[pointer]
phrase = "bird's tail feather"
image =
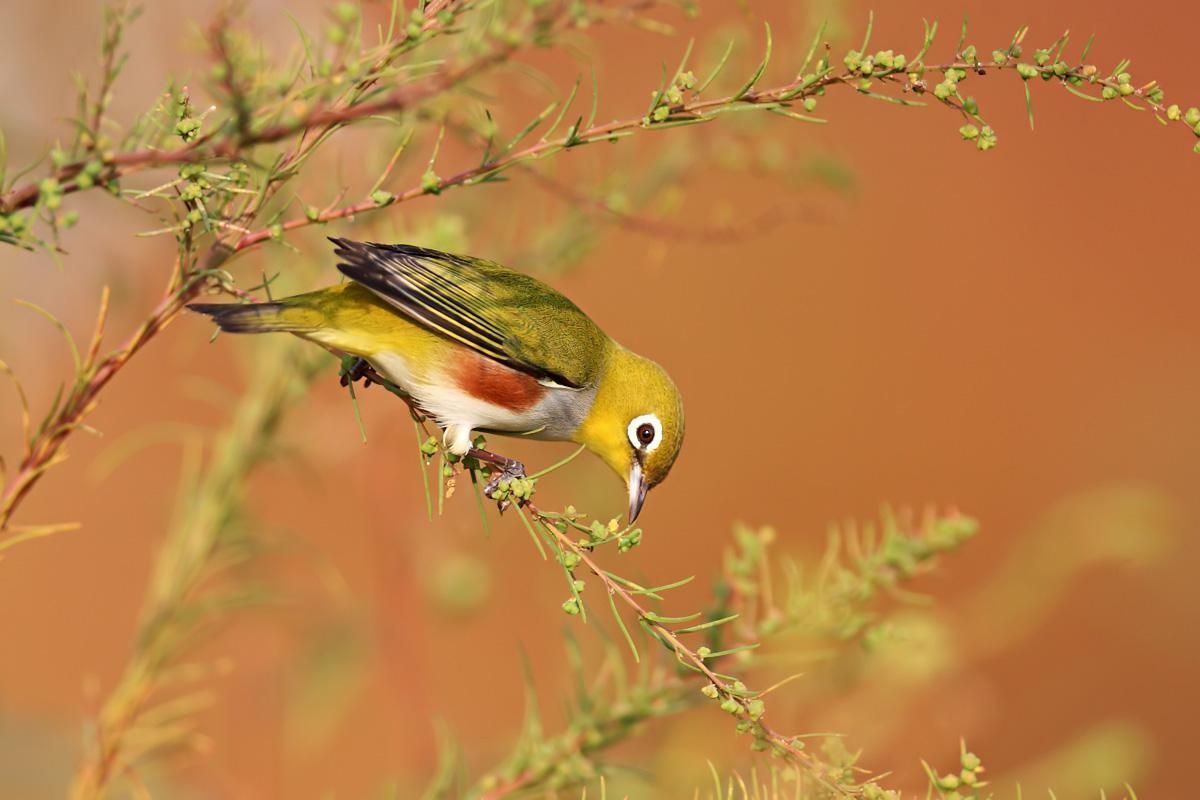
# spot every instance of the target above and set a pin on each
(257, 317)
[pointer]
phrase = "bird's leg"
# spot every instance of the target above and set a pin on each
(359, 369)
(507, 468)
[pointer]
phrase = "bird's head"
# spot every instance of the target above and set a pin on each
(635, 423)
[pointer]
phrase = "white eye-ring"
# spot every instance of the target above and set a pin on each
(645, 432)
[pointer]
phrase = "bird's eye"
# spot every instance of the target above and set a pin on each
(645, 432)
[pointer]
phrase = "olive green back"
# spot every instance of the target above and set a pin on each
(506, 315)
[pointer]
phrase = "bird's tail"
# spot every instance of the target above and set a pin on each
(259, 317)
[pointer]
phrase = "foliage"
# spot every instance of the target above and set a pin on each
(229, 173)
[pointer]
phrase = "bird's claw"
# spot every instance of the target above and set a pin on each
(360, 371)
(507, 472)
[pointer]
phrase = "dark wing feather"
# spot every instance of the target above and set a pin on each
(505, 315)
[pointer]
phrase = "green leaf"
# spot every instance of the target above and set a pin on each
(624, 630)
(706, 625)
(717, 69)
(758, 73)
(867, 37)
(812, 50)
(1029, 104)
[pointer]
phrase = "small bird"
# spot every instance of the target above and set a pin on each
(480, 347)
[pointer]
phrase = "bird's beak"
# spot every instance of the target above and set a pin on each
(637, 490)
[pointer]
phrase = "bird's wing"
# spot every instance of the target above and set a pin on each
(505, 315)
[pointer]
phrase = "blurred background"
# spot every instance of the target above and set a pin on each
(892, 317)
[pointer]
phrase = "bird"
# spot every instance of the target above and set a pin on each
(482, 348)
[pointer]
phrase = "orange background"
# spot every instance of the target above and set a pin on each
(1012, 333)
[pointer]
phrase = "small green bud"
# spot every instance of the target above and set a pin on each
(1108, 93)
(190, 192)
(899, 62)
(704, 651)
(864, 85)
(69, 219)
(999, 56)
(661, 113)
(1125, 89)
(84, 181)
(1041, 57)
(345, 12)
(885, 59)
(710, 691)
(756, 708)
(1027, 71)
(968, 778)
(1192, 116)
(312, 213)
(1060, 68)
(969, 54)
(1196, 129)
(571, 607)
(577, 585)
(674, 96)
(853, 60)
(867, 67)
(943, 91)
(969, 132)
(382, 198)
(413, 30)
(971, 106)
(971, 762)
(1089, 71)
(948, 781)
(1124, 77)
(335, 34)
(276, 231)
(195, 215)
(731, 706)
(810, 103)
(431, 183)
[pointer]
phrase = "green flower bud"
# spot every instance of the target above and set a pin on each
(1125, 89)
(661, 113)
(1041, 57)
(731, 706)
(1027, 71)
(968, 778)
(1192, 116)
(864, 85)
(1196, 129)
(1060, 68)
(948, 781)
(756, 708)
(1124, 77)
(84, 181)
(710, 691)
(431, 183)
(312, 213)
(704, 651)
(943, 91)
(852, 60)
(571, 607)
(69, 219)
(577, 585)
(971, 106)
(999, 56)
(810, 103)
(382, 198)
(971, 762)
(969, 132)
(345, 13)
(1108, 93)
(899, 62)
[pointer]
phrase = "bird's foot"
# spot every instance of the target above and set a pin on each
(355, 370)
(504, 471)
